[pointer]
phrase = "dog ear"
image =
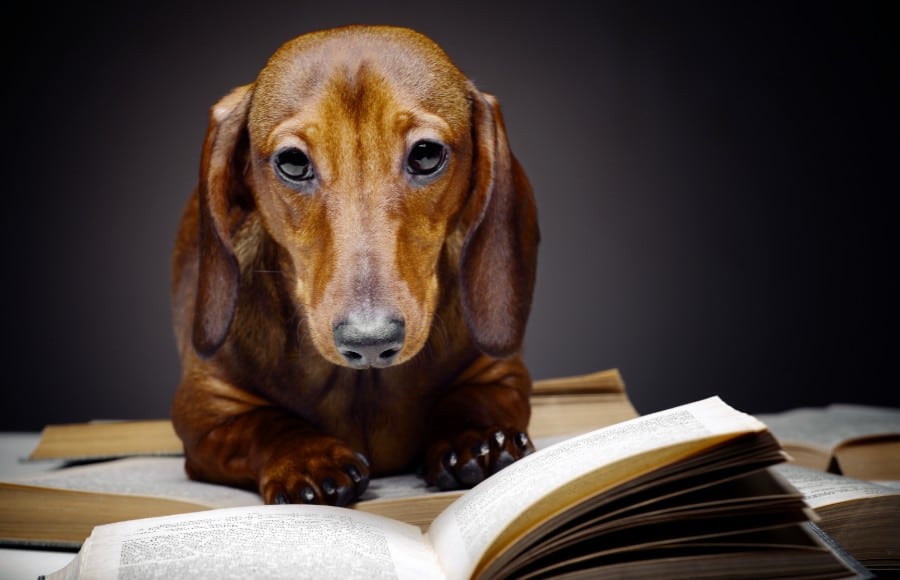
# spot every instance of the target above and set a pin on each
(499, 257)
(224, 202)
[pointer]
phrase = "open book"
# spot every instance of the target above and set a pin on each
(854, 440)
(60, 508)
(862, 516)
(671, 494)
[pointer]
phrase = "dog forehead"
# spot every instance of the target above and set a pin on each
(306, 70)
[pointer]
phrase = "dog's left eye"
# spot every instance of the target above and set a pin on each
(426, 158)
(293, 165)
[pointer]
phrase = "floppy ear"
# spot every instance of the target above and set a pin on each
(499, 257)
(224, 202)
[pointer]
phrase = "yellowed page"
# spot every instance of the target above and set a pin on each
(107, 439)
(272, 542)
(606, 381)
(503, 507)
(872, 458)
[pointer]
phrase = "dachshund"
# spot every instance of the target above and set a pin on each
(352, 276)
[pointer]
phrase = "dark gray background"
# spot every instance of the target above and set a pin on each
(716, 181)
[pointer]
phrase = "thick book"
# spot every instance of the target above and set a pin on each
(862, 516)
(676, 494)
(559, 406)
(860, 441)
(60, 508)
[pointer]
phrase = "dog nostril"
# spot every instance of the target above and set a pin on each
(389, 353)
(350, 355)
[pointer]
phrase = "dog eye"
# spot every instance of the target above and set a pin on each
(293, 165)
(426, 158)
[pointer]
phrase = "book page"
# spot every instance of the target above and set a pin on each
(463, 536)
(407, 498)
(829, 426)
(272, 542)
(145, 476)
(396, 486)
(822, 489)
(165, 477)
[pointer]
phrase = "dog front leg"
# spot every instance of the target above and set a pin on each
(481, 425)
(235, 438)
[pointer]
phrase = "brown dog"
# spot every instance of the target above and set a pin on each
(353, 275)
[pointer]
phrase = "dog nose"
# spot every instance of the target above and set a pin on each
(369, 342)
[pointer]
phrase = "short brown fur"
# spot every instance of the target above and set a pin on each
(264, 270)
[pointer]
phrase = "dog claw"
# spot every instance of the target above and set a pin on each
(503, 460)
(335, 494)
(470, 473)
(446, 482)
(522, 441)
(308, 495)
(444, 479)
(360, 482)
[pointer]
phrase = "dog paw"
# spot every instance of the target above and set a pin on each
(465, 460)
(317, 470)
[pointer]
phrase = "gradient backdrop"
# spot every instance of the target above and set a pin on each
(717, 185)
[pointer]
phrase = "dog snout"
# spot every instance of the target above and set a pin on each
(373, 341)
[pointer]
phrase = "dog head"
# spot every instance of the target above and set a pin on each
(371, 160)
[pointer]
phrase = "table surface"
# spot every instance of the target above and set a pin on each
(25, 564)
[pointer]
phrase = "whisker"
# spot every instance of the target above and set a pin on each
(440, 332)
(268, 272)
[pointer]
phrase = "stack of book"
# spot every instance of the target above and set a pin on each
(699, 488)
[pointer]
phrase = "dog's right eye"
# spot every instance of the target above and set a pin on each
(293, 165)
(426, 158)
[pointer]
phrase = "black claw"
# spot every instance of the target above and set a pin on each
(470, 473)
(328, 487)
(500, 439)
(344, 496)
(522, 440)
(445, 480)
(308, 495)
(362, 486)
(503, 460)
(481, 449)
(282, 498)
(355, 477)
(360, 483)
(450, 459)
